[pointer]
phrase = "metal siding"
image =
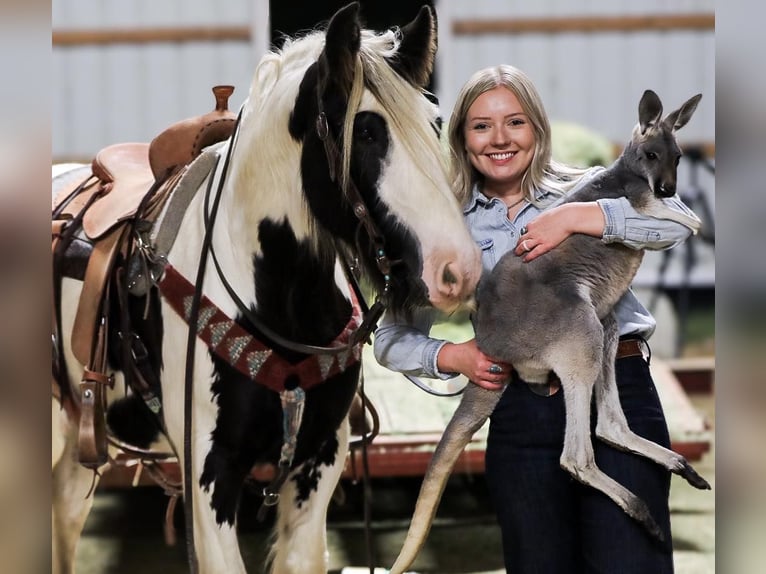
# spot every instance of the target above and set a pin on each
(124, 93)
(596, 79)
(560, 8)
(106, 94)
(117, 13)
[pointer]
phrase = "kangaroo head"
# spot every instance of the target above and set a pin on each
(653, 152)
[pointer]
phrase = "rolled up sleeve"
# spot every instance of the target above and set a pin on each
(623, 224)
(406, 347)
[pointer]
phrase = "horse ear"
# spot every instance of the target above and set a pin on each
(342, 41)
(649, 110)
(678, 119)
(414, 60)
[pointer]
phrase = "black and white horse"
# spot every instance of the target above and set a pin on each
(284, 212)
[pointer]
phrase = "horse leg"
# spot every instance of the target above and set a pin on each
(579, 365)
(215, 539)
(216, 544)
(72, 499)
(300, 545)
(612, 426)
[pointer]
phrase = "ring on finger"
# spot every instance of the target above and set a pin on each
(525, 246)
(495, 369)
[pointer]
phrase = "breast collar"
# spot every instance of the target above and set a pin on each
(250, 356)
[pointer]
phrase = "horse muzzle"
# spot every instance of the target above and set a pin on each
(452, 283)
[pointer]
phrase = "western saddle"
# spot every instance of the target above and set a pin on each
(128, 185)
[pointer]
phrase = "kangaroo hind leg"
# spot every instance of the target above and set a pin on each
(612, 426)
(577, 361)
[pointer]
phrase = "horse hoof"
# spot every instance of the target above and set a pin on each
(693, 478)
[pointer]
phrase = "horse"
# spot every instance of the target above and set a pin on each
(563, 304)
(335, 157)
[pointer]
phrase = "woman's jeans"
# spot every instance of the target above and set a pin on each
(552, 524)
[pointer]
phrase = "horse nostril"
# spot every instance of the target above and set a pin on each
(448, 277)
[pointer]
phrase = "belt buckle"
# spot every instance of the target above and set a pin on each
(644, 347)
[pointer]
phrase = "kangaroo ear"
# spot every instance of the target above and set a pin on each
(414, 60)
(342, 41)
(678, 119)
(649, 110)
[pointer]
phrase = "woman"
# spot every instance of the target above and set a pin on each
(500, 145)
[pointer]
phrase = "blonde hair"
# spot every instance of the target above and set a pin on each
(544, 173)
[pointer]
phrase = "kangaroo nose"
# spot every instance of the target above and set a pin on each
(668, 189)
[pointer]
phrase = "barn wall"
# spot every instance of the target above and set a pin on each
(592, 77)
(105, 93)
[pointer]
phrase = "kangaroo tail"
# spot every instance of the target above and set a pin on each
(475, 407)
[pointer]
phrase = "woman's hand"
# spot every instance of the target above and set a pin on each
(553, 226)
(467, 359)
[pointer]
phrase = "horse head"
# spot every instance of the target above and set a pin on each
(372, 172)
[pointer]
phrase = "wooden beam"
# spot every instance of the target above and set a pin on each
(107, 36)
(590, 24)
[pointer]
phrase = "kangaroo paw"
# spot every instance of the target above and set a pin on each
(638, 510)
(692, 477)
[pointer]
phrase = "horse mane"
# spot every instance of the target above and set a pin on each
(402, 101)
(275, 85)
(404, 104)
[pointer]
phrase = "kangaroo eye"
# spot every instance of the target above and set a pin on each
(651, 155)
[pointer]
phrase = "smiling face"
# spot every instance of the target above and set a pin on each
(499, 140)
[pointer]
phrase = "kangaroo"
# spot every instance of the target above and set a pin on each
(571, 328)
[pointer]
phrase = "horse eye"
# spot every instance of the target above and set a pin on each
(651, 155)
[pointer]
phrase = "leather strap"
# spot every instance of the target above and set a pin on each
(89, 307)
(92, 447)
(632, 348)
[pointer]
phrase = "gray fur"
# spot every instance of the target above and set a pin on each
(555, 313)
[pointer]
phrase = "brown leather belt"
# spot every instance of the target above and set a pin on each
(632, 348)
(625, 348)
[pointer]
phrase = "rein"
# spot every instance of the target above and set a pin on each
(371, 315)
(360, 335)
(207, 244)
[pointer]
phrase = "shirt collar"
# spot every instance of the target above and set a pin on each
(477, 198)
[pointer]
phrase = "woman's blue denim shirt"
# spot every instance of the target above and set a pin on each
(406, 346)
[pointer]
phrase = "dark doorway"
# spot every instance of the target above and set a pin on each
(291, 18)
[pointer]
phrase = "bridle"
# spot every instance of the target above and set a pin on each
(361, 335)
(371, 315)
(357, 337)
